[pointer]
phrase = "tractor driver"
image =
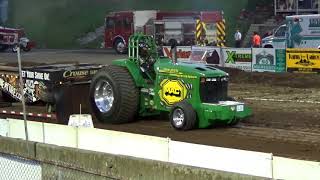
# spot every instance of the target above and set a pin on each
(146, 59)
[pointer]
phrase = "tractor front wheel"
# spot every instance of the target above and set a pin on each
(114, 97)
(183, 116)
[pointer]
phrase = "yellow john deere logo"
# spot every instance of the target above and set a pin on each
(172, 91)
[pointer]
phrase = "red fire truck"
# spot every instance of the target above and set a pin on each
(10, 38)
(166, 27)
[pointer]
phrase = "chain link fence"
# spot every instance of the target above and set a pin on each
(16, 168)
(53, 172)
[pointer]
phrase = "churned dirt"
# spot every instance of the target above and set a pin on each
(285, 121)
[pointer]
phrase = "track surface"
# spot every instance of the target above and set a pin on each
(286, 120)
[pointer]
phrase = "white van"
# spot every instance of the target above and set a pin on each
(300, 31)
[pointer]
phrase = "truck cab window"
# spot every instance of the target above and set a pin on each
(127, 23)
(109, 23)
(281, 32)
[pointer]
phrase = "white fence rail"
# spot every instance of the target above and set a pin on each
(164, 149)
(224, 159)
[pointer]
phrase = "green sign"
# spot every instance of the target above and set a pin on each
(280, 60)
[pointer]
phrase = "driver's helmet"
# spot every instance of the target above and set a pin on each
(143, 49)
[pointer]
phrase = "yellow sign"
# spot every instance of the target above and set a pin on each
(303, 60)
(172, 91)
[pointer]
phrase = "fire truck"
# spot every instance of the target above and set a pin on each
(11, 38)
(181, 28)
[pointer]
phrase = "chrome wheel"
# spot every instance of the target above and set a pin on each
(103, 96)
(178, 117)
(120, 47)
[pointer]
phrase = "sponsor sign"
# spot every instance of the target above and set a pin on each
(263, 60)
(280, 60)
(36, 75)
(240, 58)
(78, 73)
(10, 85)
(183, 52)
(209, 55)
(172, 91)
(80, 120)
(303, 60)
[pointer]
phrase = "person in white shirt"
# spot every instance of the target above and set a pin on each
(237, 38)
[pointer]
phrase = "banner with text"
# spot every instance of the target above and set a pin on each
(210, 55)
(303, 60)
(280, 60)
(263, 60)
(183, 52)
(240, 58)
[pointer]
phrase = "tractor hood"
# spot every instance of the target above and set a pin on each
(188, 69)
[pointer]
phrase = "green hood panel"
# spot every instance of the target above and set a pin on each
(196, 70)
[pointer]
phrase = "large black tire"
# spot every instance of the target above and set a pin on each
(189, 120)
(126, 95)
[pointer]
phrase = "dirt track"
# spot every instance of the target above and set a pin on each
(286, 118)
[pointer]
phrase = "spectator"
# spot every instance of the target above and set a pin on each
(237, 38)
(256, 40)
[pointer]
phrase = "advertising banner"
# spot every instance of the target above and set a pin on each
(303, 60)
(209, 55)
(263, 60)
(240, 58)
(183, 52)
(280, 60)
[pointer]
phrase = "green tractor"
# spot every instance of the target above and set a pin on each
(194, 95)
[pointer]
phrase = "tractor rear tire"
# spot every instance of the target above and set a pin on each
(114, 97)
(183, 116)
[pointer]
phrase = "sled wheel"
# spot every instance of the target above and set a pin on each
(183, 116)
(114, 97)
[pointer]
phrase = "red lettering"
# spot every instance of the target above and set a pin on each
(180, 53)
(167, 52)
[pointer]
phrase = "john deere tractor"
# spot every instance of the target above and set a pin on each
(144, 84)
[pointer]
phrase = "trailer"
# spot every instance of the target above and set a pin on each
(62, 87)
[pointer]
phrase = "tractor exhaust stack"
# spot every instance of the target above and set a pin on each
(174, 53)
